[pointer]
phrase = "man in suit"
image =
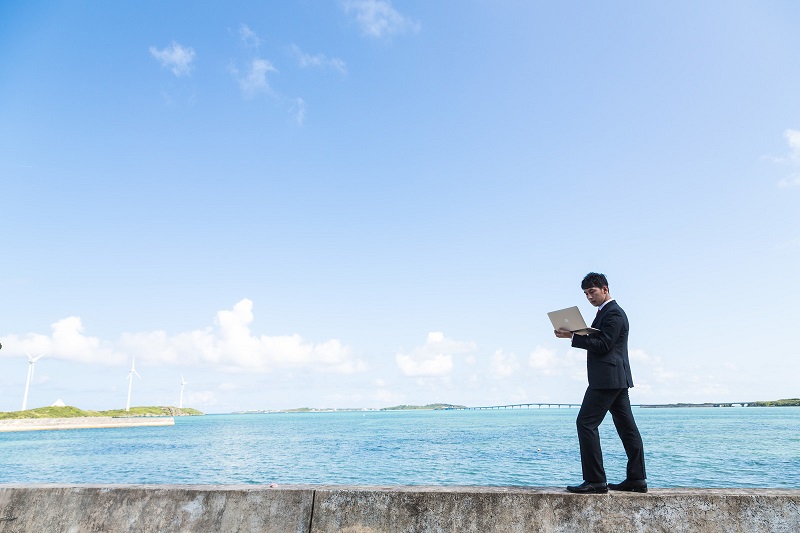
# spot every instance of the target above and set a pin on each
(610, 378)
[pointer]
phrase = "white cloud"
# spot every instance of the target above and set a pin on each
(298, 109)
(387, 397)
(377, 18)
(432, 365)
(645, 364)
(434, 358)
(175, 57)
(655, 381)
(231, 344)
(641, 356)
(206, 398)
(67, 341)
(254, 80)
(790, 181)
(227, 345)
(543, 360)
(248, 37)
(548, 363)
(793, 159)
(305, 60)
(793, 138)
(503, 365)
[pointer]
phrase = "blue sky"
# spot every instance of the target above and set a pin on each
(363, 203)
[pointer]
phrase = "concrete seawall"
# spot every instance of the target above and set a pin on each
(313, 508)
(83, 422)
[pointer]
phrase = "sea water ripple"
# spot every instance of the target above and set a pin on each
(685, 447)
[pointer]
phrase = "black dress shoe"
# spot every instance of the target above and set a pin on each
(630, 485)
(589, 488)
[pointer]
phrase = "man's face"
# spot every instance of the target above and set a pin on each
(596, 296)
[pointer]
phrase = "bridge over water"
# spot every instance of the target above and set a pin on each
(519, 406)
(547, 405)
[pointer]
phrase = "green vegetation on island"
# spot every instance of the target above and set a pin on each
(790, 402)
(430, 407)
(73, 412)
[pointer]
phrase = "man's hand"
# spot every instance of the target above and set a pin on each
(563, 333)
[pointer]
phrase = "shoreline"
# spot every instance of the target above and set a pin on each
(82, 422)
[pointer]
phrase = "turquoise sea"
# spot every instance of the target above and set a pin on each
(685, 447)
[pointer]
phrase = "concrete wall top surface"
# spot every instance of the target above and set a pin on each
(359, 509)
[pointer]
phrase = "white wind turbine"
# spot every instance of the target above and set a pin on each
(31, 363)
(183, 383)
(130, 383)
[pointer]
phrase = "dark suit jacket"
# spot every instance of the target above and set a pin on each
(607, 362)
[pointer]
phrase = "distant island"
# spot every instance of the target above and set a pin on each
(430, 407)
(73, 412)
(790, 402)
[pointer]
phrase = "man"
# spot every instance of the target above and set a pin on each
(610, 378)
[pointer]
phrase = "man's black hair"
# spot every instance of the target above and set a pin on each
(593, 279)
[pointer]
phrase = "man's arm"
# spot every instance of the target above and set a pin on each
(610, 330)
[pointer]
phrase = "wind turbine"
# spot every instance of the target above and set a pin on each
(183, 383)
(31, 363)
(130, 382)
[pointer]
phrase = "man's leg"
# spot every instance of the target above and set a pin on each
(596, 403)
(629, 434)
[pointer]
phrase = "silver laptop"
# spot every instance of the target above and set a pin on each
(571, 319)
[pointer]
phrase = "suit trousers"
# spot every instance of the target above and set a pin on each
(596, 403)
